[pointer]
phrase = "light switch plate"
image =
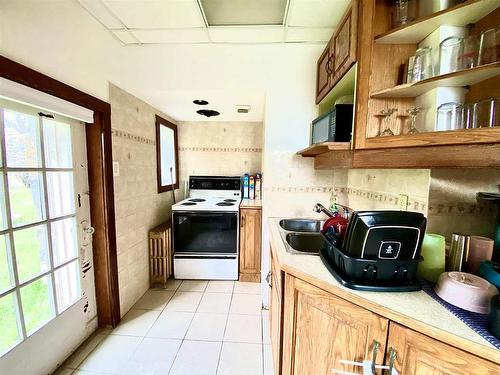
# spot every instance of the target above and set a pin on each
(403, 202)
(116, 168)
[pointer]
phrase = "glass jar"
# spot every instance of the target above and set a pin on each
(450, 49)
(422, 65)
(449, 117)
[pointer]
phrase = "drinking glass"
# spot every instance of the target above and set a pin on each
(469, 52)
(449, 53)
(449, 116)
(468, 116)
(404, 12)
(486, 113)
(423, 67)
(489, 46)
(433, 251)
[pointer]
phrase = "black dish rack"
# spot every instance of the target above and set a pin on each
(377, 275)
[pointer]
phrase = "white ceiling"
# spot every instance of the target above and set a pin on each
(137, 22)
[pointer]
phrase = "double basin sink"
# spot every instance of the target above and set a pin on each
(302, 236)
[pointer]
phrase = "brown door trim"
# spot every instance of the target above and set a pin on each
(100, 167)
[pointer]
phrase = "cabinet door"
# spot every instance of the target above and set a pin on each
(275, 321)
(323, 73)
(250, 244)
(417, 354)
(321, 329)
(344, 44)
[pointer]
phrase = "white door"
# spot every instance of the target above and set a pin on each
(47, 294)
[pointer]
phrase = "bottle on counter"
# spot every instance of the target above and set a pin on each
(246, 183)
(251, 189)
(258, 186)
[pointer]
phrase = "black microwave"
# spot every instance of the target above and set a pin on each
(334, 126)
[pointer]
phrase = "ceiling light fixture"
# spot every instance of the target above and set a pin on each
(200, 102)
(207, 112)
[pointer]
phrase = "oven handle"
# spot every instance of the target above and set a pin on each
(203, 257)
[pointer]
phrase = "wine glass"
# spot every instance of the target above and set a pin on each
(383, 115)
(413, 112)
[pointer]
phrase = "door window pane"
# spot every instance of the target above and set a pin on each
(6, 279)
(3, 211)
(32, 254)
(10, 332)
(26, 197)
(38, 304)
(64, 247)
(22, 140)
(57, 144)
(61, 193)
(67, 285)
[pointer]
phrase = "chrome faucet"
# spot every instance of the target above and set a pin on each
(318, 207)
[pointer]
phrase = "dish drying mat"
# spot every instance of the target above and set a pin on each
(477, 322)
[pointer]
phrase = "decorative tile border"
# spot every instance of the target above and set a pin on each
(132, 137)
(299, 189)
(461, 209)
(221, 149)
(388, 198)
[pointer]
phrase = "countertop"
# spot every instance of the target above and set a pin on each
(251, 203)
(415, 310)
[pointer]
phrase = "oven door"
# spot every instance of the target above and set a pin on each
(205, 233)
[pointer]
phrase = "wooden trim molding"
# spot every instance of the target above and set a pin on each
(160, 121)
(100, 167)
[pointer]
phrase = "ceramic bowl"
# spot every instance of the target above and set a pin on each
(465, 290)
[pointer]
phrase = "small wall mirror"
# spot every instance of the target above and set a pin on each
(167, 159)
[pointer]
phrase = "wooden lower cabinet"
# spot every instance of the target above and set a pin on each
(321, 329)
(417, 354)
(275, 315)
(250, 244)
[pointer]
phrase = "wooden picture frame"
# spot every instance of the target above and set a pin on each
(159, 122)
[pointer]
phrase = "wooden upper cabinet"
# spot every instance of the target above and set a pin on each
(323, 73)
(250, 244)
(344, 42)
(417, 354)
(339, 54)
(321, 329)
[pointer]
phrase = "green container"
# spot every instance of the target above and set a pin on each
(433, 251)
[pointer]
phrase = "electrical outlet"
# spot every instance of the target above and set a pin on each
(116, 168)
(333, 201)
(403, 202)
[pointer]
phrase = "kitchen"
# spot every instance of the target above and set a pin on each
(143, 59)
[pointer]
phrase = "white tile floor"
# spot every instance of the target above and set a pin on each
(193, 327)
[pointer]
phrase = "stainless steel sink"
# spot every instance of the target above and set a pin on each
(301, 225)
(304, 243)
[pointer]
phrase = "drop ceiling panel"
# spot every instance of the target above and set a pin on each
(157, 14)
(247, 34)
(308, 34)
(244, 12)
(102, 13)
(199, 35)
(125, 36)
(316, 13)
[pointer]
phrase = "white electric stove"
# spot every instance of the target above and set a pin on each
(206, 229)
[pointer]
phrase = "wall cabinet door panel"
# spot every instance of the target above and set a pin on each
(321, 329)
(417, 354)
(323, 73)
(345, 45)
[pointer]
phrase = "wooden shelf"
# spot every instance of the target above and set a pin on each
(451, 156)
(452, 137)
(456, 79)
(460, 15)
(321, 148)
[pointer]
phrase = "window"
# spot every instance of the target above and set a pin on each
(167, 159)
(39, 264)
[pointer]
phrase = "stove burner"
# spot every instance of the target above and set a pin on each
(197, 200)
(229, 200)
(188, 204)
(225, 204)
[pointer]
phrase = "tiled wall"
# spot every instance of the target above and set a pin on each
(138, 205)
(219, 148)
(453, 206)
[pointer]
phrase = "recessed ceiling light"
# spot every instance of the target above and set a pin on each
(244, 12)
(200, 102)
(207, 112)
